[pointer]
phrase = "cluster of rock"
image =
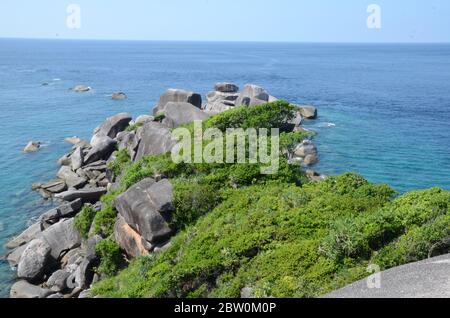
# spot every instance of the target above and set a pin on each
(51, 257)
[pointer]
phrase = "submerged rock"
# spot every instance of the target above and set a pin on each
(177, 96)
(119, 96)
(81, 89)
(32, 146)
(147, 207)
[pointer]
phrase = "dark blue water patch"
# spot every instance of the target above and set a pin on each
(383, 109)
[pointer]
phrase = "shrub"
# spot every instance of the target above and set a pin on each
(121, 162)
(111, 259)
(84, 219)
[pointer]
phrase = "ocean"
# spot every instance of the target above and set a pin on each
(384, 110)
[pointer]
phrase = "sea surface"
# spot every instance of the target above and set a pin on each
(384, 110)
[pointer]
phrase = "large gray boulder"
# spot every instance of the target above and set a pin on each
(71, 178)
(26, 236)
(147, 207)
(154, 139)
(178, 114)
(226, 87)
(77, 159)
(14, 256)
(252, 95)
(34, 260)
(128, 239)
(57, 282)
(220, 96)
(113, 125)
(308, 112)
(66, 210)
(23, 289)
(177, 96)
(87, 195)
(61, 237)
(101, 150)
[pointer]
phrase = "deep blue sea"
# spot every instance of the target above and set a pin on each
(384, 109)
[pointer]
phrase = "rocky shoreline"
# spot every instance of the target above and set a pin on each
(53, 259)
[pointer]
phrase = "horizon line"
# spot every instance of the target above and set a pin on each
(215, 41)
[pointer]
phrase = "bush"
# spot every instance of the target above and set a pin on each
(121, 162)
(84, 219)
(111, 259)
(270, 115)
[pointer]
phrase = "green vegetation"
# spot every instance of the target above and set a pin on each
(134, 127)
(277, 234)
(84, 219)
(111, 257)
(160, 117)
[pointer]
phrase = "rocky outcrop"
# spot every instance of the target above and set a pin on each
(154, 139)
(34, 260)
(26, 236)
(143, 119)
(226, 87)
(252, 95)
(112, 126)
(128, 239)
(177, 96)
(61, 238)
(306, 153)
(32, 146)
(308, 112)
(87, 195)
(71, 178)
(23, 289)
(103, 148)
(77, 159)
(177, 114)
(147, 207)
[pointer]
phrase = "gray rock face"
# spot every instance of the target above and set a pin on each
(128, 239)
(58, 281)
(306, 148)
(146, 208)
(71, 178)
(61, 237)
(66, 210)
(34, 259)
(308, 112)
(177, 96)
(113, 125)
(177, 114)
(217, 107)
(14, 256)
(102, 150)
(54, 186)
(226, 88)
(130, 142)
(23, 289)
(25, 237)
(251, 95)
(64, 161)
(154, 139)
(91, 195)
(144, 119)
(220, 96)
(32, 146)
(119, 96)
(77, 159)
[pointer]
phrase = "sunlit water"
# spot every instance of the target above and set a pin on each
(384, 109)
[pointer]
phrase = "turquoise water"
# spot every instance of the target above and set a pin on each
(384, 109)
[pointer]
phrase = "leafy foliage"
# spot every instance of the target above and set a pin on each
(111, 257)
(84, 219)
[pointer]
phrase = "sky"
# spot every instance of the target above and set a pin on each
(232, 20)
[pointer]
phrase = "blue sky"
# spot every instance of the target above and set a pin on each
(232, 20)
